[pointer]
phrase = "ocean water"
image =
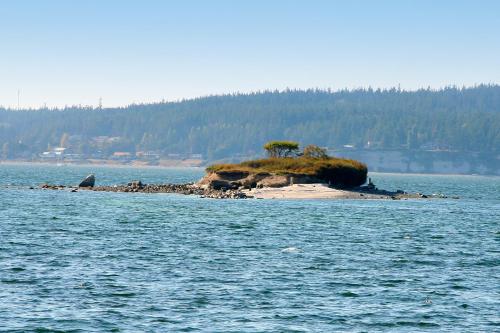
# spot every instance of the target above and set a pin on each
(124, 262)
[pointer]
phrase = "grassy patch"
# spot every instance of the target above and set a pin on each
(337, 171)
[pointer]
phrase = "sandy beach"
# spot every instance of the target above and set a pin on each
(310, 191)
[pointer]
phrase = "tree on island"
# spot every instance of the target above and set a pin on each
(281, 148)
(314, 151)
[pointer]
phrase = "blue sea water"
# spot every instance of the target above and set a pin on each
(132, 262)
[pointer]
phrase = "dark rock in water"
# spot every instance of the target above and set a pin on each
(136, 184)
(52, 187)
(89, 181)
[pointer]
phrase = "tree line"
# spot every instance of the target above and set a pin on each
(463, 119)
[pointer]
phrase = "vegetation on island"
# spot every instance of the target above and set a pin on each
(281, 148)
(312, 162)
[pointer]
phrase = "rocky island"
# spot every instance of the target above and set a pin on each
(286, 173)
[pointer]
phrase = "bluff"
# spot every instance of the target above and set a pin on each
(279, 172)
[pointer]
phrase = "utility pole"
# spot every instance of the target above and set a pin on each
(18, 99)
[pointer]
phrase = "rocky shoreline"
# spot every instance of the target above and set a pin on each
(139, 187)
(296, 191)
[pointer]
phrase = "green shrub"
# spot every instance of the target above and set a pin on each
(314, 151)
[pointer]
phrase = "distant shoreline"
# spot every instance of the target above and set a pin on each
(104, 165)
(133, 166)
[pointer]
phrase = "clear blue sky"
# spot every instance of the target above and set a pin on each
(73, 52)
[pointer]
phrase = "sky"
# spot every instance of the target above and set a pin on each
(58, 53)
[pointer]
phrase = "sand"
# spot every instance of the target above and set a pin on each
(310, 191)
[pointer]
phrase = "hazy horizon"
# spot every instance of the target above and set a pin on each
(58, 53)
(243, 93)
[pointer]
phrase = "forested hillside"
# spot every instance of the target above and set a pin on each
(465, 119)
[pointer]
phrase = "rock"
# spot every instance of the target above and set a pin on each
(234, 180)
(187, 189)
(218, 184)
(89, 181)
(274, 181)
(52, 187)
(136, 184)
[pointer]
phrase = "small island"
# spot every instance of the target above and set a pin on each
(286, 173)
(294, 172)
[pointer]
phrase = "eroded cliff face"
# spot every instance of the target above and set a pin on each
(236, 180)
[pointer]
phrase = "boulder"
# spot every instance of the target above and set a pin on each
(231, 180)
(207, 179)
(234, 180)
(88, 181)
(219, 184)
(218, 181)
(274, 181)
(251, 180)
(136, 184)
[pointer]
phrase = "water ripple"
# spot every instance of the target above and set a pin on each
(113, 262)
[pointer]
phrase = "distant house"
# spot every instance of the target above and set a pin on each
(147, 155)
(48, 155)
(59, 150)
(121, 155)
(103, 141)
(53, 154)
